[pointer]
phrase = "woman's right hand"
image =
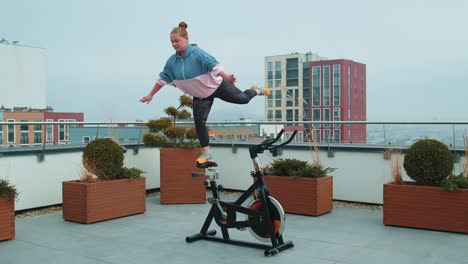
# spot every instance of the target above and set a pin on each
(146, 99)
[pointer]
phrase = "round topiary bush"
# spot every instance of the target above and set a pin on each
(428, 162)
(104, 158)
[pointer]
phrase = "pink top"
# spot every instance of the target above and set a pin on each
(201, 86)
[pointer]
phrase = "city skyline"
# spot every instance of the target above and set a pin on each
(102, 57)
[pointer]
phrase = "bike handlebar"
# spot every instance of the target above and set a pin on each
(268, 144)
(284, 143)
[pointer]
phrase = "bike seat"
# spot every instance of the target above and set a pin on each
(206, 165)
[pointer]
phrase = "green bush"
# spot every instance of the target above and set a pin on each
(191, 134)
(159, 124)
(104, 158)
(129, 173)
(7, 190)
(428, 162)
(454, 182)
(297, 168)
(173, 136)
(314, 171)
(154, 140)
(286, 167)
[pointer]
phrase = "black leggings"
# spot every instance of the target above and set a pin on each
(202, 106)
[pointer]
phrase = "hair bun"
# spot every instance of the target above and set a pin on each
(183, 25)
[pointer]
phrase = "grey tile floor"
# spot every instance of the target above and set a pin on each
(346, 235)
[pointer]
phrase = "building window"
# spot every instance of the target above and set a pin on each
(37, 137)
(278, 115)
(270, 70)
(270, 103)
(349, 86)
(11, 132)
(1, 135)
(277, 94)
(220, 137)
(62, 131)
(278, 103)
(336, 85)
(292, 72)
(37, 133)
(289, 115)
(296, 97)
(316, 101)
(300, 136)
(336, 135)
(270, 115)
(326, 135)
(296, 115)
(316, 114)
(277, 83)
(336, 115)
(326, 116)
(270, 83)
(289, 96)
(326, 85)
(278, 70)
(24, 133)
(86, 140)
(49, 131)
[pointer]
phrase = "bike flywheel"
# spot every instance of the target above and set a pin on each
(258, 228)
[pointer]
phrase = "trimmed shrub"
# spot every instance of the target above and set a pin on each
(154, 140)
(159, 124)
(297, 168)
(104, 158)
(428, 162)
(173, 136)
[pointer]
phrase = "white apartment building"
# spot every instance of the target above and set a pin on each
(284, 74)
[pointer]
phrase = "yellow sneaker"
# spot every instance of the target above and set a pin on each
(263, 90)
(205, 160)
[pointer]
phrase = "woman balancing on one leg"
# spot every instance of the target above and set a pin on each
(198, 74)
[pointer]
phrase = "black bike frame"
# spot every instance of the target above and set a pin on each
(262, 193)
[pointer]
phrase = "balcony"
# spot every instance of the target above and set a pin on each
(349, 234)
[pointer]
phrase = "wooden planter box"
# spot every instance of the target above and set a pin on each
(427, 207)
(177, 184)
(307, 196)
(93, 202)
(7, 218)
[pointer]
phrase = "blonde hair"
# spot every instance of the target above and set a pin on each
(181, 30)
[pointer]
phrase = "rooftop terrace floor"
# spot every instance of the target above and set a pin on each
(346, 235)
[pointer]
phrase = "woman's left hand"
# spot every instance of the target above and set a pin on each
(231, 78)
(228, 77)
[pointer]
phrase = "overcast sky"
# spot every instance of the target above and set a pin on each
(102, 56)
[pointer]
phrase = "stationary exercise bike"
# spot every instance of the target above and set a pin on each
(265, 218)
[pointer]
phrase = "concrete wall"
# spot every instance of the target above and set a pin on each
(359, 174)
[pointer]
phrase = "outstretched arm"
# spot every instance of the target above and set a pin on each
(147, 99)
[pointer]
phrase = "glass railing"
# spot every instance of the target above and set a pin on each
(23, 136)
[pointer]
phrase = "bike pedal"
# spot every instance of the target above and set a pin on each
(198, 174)
(212, 200)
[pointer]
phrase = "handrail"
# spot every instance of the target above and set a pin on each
(244, 123)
